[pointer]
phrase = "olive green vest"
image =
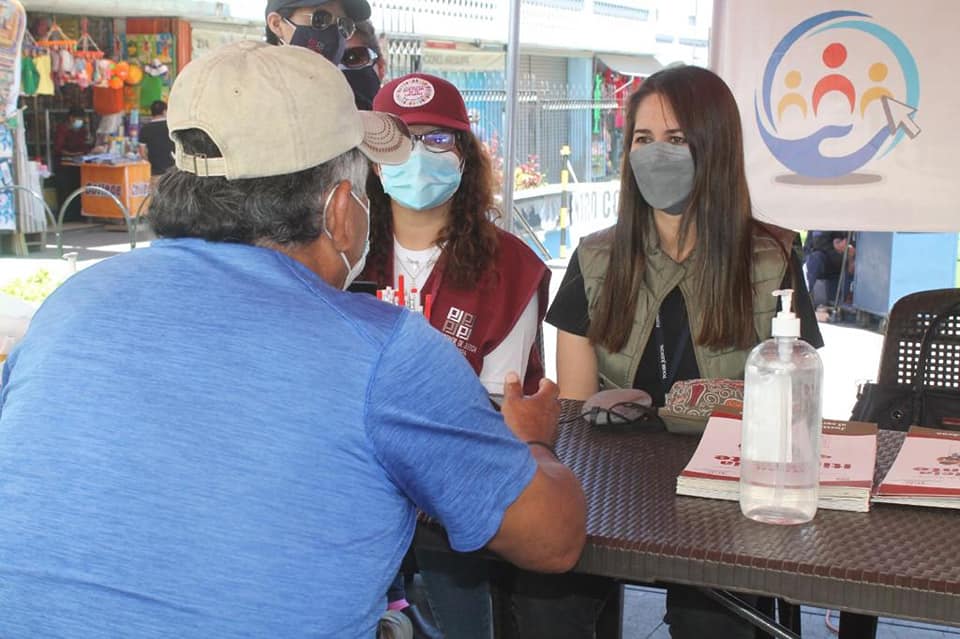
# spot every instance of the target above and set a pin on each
(662, 275)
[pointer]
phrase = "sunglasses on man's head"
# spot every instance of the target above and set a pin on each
(356, 58)
(438, 141)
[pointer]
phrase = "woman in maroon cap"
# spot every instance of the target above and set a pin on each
(431, 236)
(431, 225)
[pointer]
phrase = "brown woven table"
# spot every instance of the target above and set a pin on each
(895, 561)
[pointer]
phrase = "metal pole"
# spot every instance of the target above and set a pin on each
(509, 150)
(716, 34)
(525, 227)
(840, 298)
(734, 605)
(564, 198)
(20, 246)
(131, 229)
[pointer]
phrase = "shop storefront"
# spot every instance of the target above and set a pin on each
(87, 83)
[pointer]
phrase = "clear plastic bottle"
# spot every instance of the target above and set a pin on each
(780, 446)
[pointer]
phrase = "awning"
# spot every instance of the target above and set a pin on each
(126, 9)
(633, 65)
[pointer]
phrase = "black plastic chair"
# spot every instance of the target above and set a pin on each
(900, 364)
(906, 324)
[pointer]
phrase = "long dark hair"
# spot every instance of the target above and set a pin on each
(719, 210)
(470, 238)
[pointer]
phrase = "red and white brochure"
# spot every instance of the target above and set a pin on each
(926, 471)
(848, 451)
(718, 454)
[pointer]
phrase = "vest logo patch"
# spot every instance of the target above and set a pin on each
(459, 327)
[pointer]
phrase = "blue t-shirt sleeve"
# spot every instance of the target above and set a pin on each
(439, 439)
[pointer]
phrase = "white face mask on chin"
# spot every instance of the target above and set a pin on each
(353, 272)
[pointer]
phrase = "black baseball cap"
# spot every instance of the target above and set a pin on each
(356, 10)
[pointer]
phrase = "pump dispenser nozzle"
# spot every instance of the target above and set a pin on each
(786, 323)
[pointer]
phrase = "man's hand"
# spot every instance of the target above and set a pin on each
(534, 417)
(545, 528)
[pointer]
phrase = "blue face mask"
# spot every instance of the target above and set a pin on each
(424, 181)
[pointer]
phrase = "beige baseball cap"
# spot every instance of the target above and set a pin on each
(275, 110)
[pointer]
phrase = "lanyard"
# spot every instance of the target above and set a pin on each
(668, 374)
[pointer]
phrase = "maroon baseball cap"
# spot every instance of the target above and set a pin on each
(420, 98)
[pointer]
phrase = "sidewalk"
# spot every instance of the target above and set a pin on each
(91, 242)
(643, 610)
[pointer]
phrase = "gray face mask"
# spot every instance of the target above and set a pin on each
(664, 175)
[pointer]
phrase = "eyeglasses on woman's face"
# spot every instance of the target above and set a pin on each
(438, 140)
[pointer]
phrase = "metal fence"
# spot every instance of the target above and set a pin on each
(549, 117)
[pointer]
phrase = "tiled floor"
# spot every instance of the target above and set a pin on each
(643, 610)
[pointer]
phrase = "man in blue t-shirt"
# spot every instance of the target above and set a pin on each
(251, 444)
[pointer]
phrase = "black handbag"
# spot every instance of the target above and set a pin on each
(898, 407)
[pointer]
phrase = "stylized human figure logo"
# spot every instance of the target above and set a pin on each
(862, 75)
(877, 73)
(833, 56)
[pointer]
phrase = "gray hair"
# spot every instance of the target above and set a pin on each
(284, 209)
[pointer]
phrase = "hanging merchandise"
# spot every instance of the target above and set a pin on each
(110, 97)
(119, 75)
(8, 216)
(86, 47)
(67, 72)
(131, 97)
(102, 72)
(13, 22)
(61, 54)
(156, 55)
(155, 68)
(134, 75)
(29, 76)
(146, 48)
(86, 53)
(44, 70)
(108, 100)
(154, 81)
(57, 39)
(131, 89)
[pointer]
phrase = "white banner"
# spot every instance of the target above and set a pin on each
(851, 110)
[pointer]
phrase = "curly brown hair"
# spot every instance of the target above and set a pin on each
(470, 238)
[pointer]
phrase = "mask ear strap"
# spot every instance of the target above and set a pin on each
(326, 203)
(287, 20)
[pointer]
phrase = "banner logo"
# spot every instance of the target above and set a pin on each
(837, 91)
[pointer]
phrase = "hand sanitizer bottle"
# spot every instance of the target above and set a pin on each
(780, 446)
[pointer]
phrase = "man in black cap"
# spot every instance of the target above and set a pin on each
(321, 25)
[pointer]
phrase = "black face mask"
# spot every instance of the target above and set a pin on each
(328, 42)
(365, 84)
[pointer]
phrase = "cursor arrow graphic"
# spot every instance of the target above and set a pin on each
(900, 116)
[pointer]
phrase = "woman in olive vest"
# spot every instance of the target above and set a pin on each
(680, 288)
